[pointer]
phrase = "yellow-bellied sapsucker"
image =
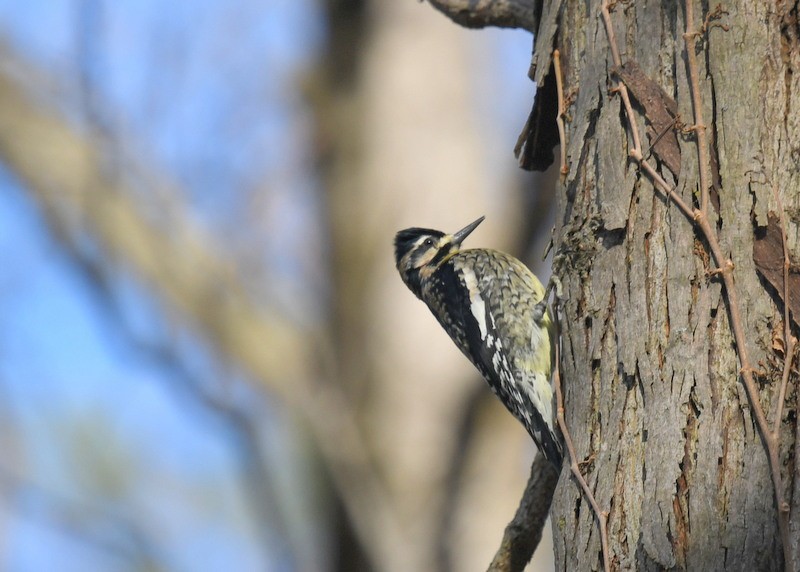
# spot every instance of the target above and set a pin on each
(488, 302)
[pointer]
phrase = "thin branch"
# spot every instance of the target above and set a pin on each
(523, 533)
(784, 514)
(484, 13)
(788, 355)
(602, 516)
(672, 125)
(662, 185)
(789, 339)
(726, 270)
(109, 531)
(258, 477)
(620, 87)
(699, 127)
(562, 136)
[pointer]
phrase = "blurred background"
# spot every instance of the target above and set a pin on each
(207, 359)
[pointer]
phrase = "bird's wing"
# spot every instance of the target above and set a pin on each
(517, 364)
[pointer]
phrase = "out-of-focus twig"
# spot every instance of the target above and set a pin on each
(103, 529)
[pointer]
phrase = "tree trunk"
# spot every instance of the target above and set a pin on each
(653, 392)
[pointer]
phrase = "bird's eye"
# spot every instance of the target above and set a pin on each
(428, 242)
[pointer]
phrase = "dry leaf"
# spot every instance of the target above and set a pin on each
(660, 110)
(768, 258)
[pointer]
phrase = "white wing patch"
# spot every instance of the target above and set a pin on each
(524, 388)
(476, 303)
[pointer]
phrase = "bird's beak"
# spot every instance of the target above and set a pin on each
(459, 236)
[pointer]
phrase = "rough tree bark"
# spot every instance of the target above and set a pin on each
(652, 375)
(654, 395)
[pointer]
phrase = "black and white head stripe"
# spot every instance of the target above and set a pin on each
(407, 240)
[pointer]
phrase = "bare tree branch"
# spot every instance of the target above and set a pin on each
(523, 533)
(483, 13)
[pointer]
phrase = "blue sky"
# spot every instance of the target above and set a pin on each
(65, 364)
(211, 114)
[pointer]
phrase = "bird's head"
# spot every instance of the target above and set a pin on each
(419, 252)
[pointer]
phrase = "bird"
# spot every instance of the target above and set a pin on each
(493, 308)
